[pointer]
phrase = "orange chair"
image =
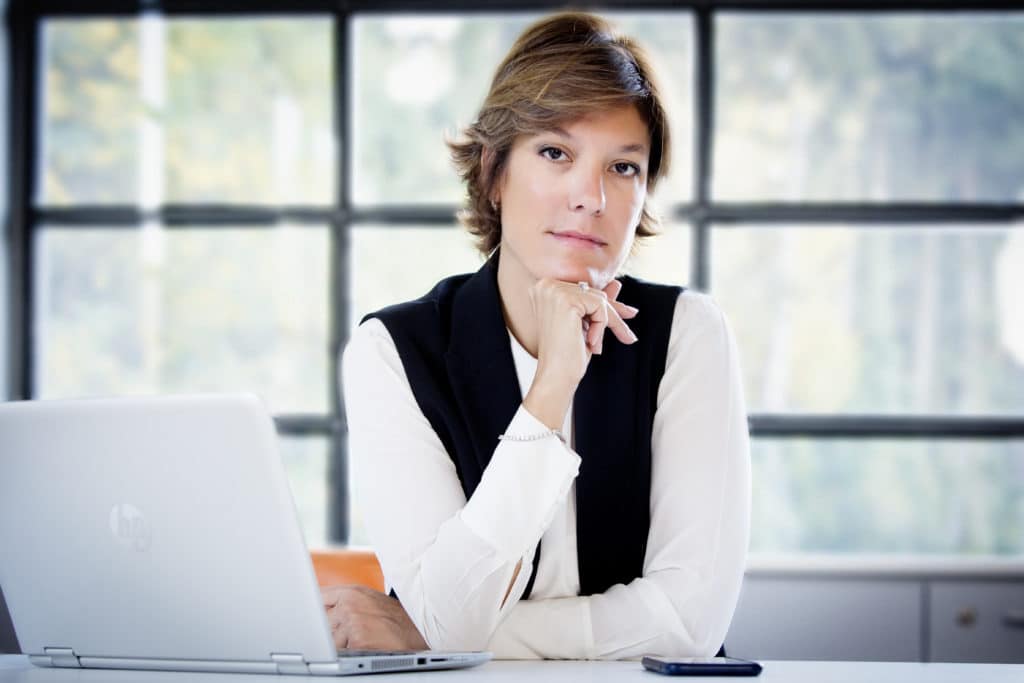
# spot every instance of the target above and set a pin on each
(347, 565)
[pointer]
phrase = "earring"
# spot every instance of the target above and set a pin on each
(494, 205)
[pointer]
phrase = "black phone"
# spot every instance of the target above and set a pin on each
(702, 666)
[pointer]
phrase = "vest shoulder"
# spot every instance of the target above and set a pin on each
(643, 290)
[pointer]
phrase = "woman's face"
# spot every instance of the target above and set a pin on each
(571, 198)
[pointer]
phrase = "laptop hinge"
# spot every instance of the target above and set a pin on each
(63, 657)
(290, 663)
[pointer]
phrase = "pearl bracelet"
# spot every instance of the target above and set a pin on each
(533, 437)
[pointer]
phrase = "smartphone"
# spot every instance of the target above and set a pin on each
(702, 666)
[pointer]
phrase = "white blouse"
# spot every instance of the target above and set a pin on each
(451, 560)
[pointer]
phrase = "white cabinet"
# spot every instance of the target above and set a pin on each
(946, 611)
(975, 621)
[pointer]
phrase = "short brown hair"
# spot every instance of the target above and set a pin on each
(561, 68)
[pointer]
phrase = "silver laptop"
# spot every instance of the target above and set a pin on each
(160, 533)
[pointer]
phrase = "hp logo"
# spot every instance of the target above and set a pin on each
(129, 526)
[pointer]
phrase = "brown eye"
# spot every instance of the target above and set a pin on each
(552, 153)
(626, 169)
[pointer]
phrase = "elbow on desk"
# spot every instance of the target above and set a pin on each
(463, 637)
(670, 643)
(448, 627)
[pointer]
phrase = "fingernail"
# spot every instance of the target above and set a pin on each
(632, 309)
(633, 335)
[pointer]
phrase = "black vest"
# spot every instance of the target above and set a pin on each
(457, 355)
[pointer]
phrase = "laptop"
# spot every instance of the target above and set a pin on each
(160, 533)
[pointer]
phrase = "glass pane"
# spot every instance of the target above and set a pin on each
(418, 78)
(358, 534)
(869, 107)
(668, 40)
(151, 311)
(664, 257)
(305, 461)
(392, 264)
(876, 320)
(187, 110)
(885, 496)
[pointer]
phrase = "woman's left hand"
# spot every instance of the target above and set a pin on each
(365, 619)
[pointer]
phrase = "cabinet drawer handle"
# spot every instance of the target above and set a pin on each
(1014, 618)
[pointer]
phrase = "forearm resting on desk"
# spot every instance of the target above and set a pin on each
(460, 611)
(626, 621)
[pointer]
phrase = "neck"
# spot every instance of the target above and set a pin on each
(514, 283)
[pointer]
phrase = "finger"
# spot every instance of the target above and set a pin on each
(612, 289)
(586, 337)
(339, 614)
(595, 336)
(584, 303)
(598, 322)
(619, 327)
(340, 637)
(332, 594)
(625, 311)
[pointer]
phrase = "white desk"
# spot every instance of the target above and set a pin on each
(16, 669)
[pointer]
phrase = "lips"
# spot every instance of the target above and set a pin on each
(574, 237)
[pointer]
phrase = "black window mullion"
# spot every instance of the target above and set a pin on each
(131, 8)
(886, 426)
(182, 215)
(207, 7)
(893, 213)
(704, 69)
(22, 41)
(340, 268)
(709, 212)
(299, 424)
(433, 216)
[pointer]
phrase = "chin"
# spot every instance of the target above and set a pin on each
(594, 275)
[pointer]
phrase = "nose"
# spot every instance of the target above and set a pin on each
(587, 192)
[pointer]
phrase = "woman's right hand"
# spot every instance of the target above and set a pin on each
(571, 322)
(365, 619)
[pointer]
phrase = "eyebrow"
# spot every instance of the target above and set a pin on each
(635, 147)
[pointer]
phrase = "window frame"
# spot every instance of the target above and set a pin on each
(701, 213)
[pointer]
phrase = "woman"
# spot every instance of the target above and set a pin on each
(556, 461)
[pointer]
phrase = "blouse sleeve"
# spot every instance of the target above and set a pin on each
(449, 560)
(700, 519)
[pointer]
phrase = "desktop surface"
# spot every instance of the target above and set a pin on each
(16, 669)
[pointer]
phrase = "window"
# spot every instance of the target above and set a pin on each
(873, 319)
(858, 107)
(182, 219)
(177, 110)
(212, 201)
(895, 317)
(151, 310)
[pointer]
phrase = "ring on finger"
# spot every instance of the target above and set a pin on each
(584, 286)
